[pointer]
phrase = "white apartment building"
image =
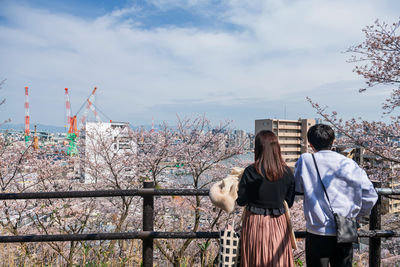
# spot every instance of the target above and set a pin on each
(109, 137)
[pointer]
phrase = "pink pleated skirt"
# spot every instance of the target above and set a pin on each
(265, 241)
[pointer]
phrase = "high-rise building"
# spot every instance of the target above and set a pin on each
(292, 135)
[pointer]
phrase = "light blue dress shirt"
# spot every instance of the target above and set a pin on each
(350, 191)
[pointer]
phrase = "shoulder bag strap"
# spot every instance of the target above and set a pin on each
(323, 186)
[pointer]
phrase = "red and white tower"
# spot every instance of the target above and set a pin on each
(27, 131)
(68, 107)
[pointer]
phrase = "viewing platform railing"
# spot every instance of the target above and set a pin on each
(148, 192)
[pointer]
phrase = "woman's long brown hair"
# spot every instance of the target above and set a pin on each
(267, 154)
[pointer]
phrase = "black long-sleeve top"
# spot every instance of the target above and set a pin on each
(264, 196)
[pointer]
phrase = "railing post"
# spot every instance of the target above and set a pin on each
(148, 223)
(375, 224)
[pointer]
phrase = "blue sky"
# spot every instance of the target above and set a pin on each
(231, 60)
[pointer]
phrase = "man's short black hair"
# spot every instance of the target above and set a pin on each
(321, 136)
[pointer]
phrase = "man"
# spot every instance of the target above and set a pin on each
(350, 192)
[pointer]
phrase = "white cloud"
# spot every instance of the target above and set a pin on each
(278, 48)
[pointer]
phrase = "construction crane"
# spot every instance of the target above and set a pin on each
(72, 121)
(72, 129)
(27, 131)
(90, 106)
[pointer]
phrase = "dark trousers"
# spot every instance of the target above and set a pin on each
(322, 250)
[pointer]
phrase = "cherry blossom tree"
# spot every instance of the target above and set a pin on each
(23, 169)
(204, 156)
(155, 153)
(191, 155)
(108, 161)
(377, 60)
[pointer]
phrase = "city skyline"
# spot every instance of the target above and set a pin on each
(227, 60)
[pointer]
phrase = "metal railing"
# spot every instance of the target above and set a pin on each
(148, 192)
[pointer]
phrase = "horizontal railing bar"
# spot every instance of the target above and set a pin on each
(132, 192)
(387, 191)
(378, 233)
(105, 193)
(113, 236)
(154, 235)
(106, 236)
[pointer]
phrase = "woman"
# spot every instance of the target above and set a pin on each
(264, 186)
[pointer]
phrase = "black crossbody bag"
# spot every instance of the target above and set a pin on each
(346, 227)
